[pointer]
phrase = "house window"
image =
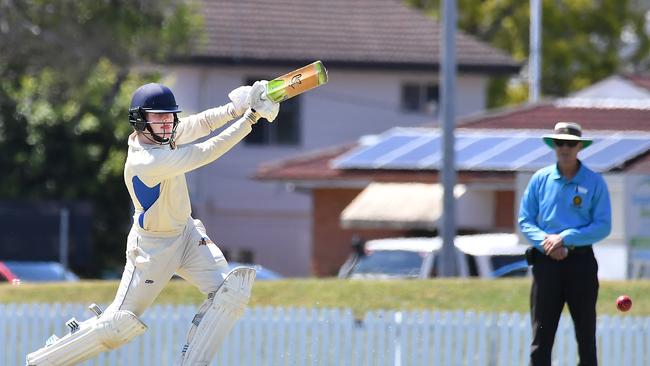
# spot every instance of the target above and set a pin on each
(285, 130)
(420, 98)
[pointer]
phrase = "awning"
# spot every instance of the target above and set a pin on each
(397, 206)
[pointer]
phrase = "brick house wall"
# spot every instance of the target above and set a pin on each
(331, 243)
(505, 210)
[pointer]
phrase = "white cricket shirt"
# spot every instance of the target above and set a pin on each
(155, 174)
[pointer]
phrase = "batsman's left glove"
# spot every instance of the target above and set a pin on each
(239, 98)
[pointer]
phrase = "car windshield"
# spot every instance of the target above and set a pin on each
(390, 262)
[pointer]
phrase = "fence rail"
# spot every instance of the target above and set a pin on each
(298, 336)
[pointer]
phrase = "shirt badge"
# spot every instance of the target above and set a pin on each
(577, 201)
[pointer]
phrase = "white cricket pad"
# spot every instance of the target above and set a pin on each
(216, 318)
(88, 339)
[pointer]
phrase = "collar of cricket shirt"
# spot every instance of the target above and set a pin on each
(555, 173)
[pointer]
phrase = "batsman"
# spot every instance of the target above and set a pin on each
(164, 238)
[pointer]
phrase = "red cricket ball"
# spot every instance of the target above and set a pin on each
(623, 303)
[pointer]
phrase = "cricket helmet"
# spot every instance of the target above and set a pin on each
(152, 98)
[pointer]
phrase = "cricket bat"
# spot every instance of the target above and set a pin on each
(296, 82)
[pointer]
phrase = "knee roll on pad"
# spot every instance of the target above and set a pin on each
(216, 316)
(92, 337)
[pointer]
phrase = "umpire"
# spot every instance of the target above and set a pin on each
(564, 211)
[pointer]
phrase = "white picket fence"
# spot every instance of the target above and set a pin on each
(319, 337)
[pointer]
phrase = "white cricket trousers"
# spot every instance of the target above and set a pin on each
(152, 261)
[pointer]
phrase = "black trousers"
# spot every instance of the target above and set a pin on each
(573, 280)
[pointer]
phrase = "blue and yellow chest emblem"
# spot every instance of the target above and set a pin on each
(577, 201)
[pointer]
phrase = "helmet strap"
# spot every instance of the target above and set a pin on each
(155, 138)
(172, 140)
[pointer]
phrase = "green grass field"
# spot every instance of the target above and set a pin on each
(509, 295)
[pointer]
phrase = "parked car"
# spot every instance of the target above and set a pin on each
(6, 275)
(492, 255)
(482, 255)
(518, 268)
(11, 271)
(392, 258)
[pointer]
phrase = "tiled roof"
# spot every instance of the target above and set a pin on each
(641, 80)
(385, 33)
(545, 115)
(313, 165)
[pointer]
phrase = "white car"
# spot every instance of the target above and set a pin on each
(392, 258)
(483, 255)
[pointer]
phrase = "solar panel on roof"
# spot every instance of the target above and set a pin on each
(410, 159)
(541, 161)
(480, 150)
(406, 149)
(366, 157)
(519, 147)
(476, 148)
(617, 153)
(434, 161)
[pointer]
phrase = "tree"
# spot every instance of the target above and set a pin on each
(65, 84)
(583, 41)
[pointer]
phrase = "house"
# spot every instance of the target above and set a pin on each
(497, 152)
(382, 58)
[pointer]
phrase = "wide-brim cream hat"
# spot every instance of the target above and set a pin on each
(570, 131)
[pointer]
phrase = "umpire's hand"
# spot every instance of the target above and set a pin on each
(559, 253)
(554, 247)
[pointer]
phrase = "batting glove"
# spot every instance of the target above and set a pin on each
(239, 98)
(260, 103)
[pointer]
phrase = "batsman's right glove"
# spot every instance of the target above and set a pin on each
(260, 103)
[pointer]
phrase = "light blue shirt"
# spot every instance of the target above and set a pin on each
(578, 210)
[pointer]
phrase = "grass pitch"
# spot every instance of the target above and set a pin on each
(510, 295)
